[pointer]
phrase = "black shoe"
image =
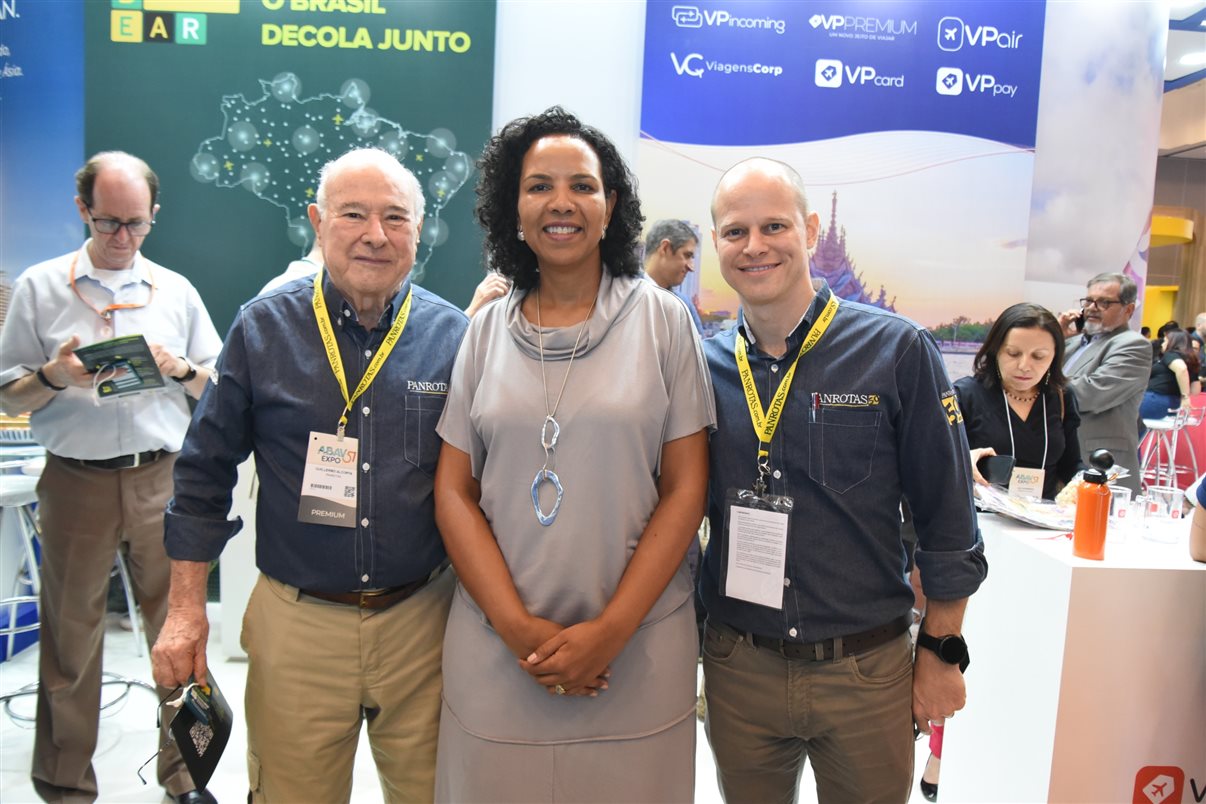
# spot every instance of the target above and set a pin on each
(200, 797)
(930, 791)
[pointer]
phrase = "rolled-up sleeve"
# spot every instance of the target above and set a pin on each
(196, 527)
(935, 472)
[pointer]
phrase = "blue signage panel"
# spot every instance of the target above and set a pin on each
(765, 73)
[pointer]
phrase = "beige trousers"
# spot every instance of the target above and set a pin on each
(318, 670)
(767, 714)
(86, 515)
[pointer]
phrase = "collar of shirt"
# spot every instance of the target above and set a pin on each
(85, 269)
(335, 299)
(802, 326)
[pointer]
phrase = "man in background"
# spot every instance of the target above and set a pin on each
(1108, 366)
(108, 472)
(670, 250)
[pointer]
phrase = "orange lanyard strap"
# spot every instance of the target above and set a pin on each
(107, 312)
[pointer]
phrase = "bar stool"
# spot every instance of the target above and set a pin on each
(1161, 449)
(19, 493)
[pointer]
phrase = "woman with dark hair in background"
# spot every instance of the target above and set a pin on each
(572, 479)
(1172, 379)
(1016, 404)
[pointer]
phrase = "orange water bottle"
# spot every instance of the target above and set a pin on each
(1093, 509)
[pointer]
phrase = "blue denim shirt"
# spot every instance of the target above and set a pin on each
(887, 428)
(275, 386)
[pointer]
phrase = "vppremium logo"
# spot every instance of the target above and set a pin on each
(954, 33)
(693, 17)
(686, 16)
(850, 27)
(1159, 784)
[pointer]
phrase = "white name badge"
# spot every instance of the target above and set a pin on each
(328, 492)
(1026, 483)
(757, 555)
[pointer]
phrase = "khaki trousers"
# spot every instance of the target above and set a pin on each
(767, 714)
(318, 670)
(86, 515)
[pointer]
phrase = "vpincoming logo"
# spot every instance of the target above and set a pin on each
(686, 16)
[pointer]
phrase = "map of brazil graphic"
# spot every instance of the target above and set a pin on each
(273, 147)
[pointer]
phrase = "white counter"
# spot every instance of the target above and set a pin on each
(1082, 673)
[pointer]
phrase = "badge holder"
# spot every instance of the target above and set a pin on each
(756, 525)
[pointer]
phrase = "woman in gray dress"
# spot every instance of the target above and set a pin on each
(571, 482)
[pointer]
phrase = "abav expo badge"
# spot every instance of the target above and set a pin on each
(328, 493)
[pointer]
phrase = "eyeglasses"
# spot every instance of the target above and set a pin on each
(1100, 304)
(110, 226)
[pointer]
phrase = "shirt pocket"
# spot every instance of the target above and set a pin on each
(422, 445)
(841, 447)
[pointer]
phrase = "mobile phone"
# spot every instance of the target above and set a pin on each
(1079, 322)
(996, 469)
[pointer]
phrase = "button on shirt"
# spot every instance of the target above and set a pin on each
(275, 387)
(44, 312)
(887, 428)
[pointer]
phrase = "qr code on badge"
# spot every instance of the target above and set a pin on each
(349, 492)
(201, 736)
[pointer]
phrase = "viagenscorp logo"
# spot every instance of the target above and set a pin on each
(844, 26)
(953, 80)
(954, 33)
(830, 73)
(694, 65)
(693, 17)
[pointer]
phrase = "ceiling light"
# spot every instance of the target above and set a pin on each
(1193, 59)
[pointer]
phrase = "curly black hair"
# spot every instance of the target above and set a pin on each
(498, 197)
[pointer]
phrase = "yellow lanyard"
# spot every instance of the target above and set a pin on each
(766, 424)
(328, 341)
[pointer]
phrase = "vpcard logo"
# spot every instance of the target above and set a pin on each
(949, 81)
(1159, 784)
(686, 16)
(684, 67)
(954, 33)
(829, 73)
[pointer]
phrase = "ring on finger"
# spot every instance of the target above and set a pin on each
(560, 690)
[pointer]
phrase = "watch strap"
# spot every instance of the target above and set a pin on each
(190, 374)
(42, 378)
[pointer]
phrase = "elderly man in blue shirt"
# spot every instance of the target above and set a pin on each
(336, 384)
(830, 414)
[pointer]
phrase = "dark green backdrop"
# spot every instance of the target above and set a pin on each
(163, 100)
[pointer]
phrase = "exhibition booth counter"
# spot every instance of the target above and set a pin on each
(1088, 678)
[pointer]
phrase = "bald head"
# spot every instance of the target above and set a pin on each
(771, 168)
(375, 158)
(117, 162)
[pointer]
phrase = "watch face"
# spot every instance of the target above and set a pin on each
(952, 649)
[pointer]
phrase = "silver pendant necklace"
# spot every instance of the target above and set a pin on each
(550, 430)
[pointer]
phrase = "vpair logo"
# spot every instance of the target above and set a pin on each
(954, 33)
(687, 16)
(1159, 784)
(829, 73)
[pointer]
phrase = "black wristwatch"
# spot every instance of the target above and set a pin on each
(190, 374)
(950, 648)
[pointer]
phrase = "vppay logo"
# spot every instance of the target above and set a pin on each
(687, 16)
(1159, 784)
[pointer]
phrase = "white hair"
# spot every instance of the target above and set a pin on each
(375, 157)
